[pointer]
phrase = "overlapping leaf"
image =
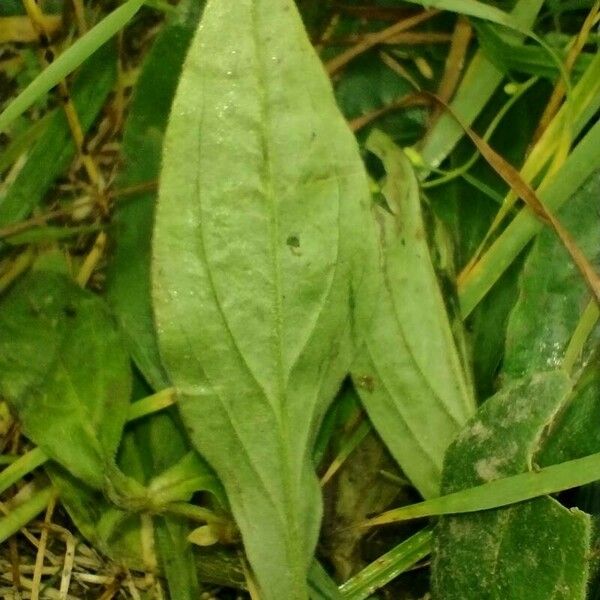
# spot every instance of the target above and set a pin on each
(159, 441)
(553, 295)
(409, 375)
(52, 336)
(263, 255)
(474, 554)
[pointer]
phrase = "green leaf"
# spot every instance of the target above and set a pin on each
(553, 295)
(159, 440)
(262, 254)
(475, 554)
(128, 281)
(65, 372)
(574, 433)
(416, 404)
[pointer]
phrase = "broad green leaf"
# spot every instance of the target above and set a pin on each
(264, 267)
(553, 296)
(159, 439)
(474, 554)
(409, 374)
(53, 151)
(65, 372)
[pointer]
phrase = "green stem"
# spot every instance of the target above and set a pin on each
(151, 404)
(194, 513)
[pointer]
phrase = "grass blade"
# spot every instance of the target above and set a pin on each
(579, 166)
(501, 492)
(21, 514)
(388, 567)
(69, 60)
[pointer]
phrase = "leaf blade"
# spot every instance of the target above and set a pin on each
(416, 404)
(47, 325)
(254, 319)
(474, 554)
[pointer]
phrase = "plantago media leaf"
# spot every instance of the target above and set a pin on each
(65, 372)
(263, 261)
(517, 552)
(409, 374)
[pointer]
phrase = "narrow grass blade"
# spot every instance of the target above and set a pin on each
(24, 465)
(69, 60)
(579, 166)
(501, 492)
(21, 514)
(322, 587)
(50, 155)
(480, 81)
(387, 567)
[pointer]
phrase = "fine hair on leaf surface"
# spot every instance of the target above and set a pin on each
(264, 270)
(261, 294)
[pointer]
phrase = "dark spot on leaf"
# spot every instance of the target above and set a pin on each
(403, 242)
(70, 311)
(293, 241)
(366, 382)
